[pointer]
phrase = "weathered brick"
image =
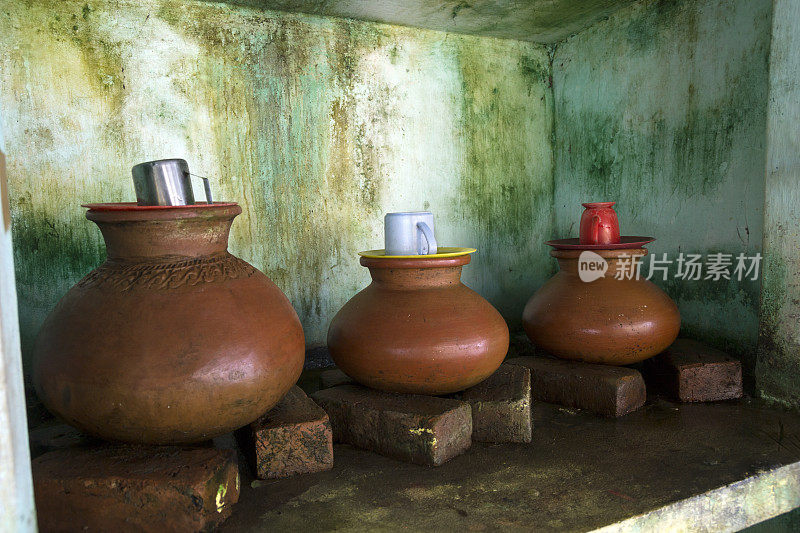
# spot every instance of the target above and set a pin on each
(607, 390)
(501, 406)
(294, 437)
(690, 371)
(333, 378)
(425, 430)
(135, 488)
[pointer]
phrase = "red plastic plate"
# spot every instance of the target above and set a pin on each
(133, 206)
(625, 242)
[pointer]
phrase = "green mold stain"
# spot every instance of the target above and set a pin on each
(690, 156)
(102, 59)
(297, 136)
(774, 295)
(506, 190)
(644, 117)
(536, 70)
(293, 122)
(51, 253)
(778, 366)
(643, 31)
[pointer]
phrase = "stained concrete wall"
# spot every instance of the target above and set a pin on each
(778, 370)
(316, 126)
(662, 108)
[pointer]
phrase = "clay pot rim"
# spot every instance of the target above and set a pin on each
(605, 254)
(422, 262)
(130, 211)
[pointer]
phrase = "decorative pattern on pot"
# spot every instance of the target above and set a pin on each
(416, 328)
(173, 339)
(609, 315)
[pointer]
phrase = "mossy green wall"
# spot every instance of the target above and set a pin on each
(662, 108)
(316, 126)
(778, 370)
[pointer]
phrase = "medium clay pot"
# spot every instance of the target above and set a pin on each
(171, 340)
(417, 329)
(609, 321)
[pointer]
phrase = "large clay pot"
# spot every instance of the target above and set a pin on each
(417, 329)
(610, 321)
(172, 339)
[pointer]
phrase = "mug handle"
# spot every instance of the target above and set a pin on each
(430, 240)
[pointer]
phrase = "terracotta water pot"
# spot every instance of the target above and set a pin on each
(609, 321)
(417, 329)
(172, 339)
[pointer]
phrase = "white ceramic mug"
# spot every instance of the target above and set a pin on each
(409, 233)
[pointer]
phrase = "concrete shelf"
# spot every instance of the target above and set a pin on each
(675, 466)
(543, 21)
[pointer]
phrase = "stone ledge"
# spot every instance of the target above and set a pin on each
(685, 465)
(732, 508)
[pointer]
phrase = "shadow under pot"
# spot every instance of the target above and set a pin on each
(608, 320)
(173, 339)
(417, 329)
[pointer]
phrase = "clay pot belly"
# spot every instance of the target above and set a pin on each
(143, 379)
(608, 321)
(418, 331)
(168, 353)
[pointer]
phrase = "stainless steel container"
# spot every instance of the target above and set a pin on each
(163, 182)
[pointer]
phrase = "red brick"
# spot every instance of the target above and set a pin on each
(690, 371)
(135, 488)
(294, 437)
(425, 430)
(333, 378)
(501, 406)
(607, 390)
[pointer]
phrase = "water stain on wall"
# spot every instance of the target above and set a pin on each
(315, 126)
(663, 108)
(502, 193)
(778, 370)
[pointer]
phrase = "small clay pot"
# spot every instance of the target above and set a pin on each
(417, 329)
(172, 340)
(609, 321)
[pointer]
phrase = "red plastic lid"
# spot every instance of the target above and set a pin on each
(133, 206)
